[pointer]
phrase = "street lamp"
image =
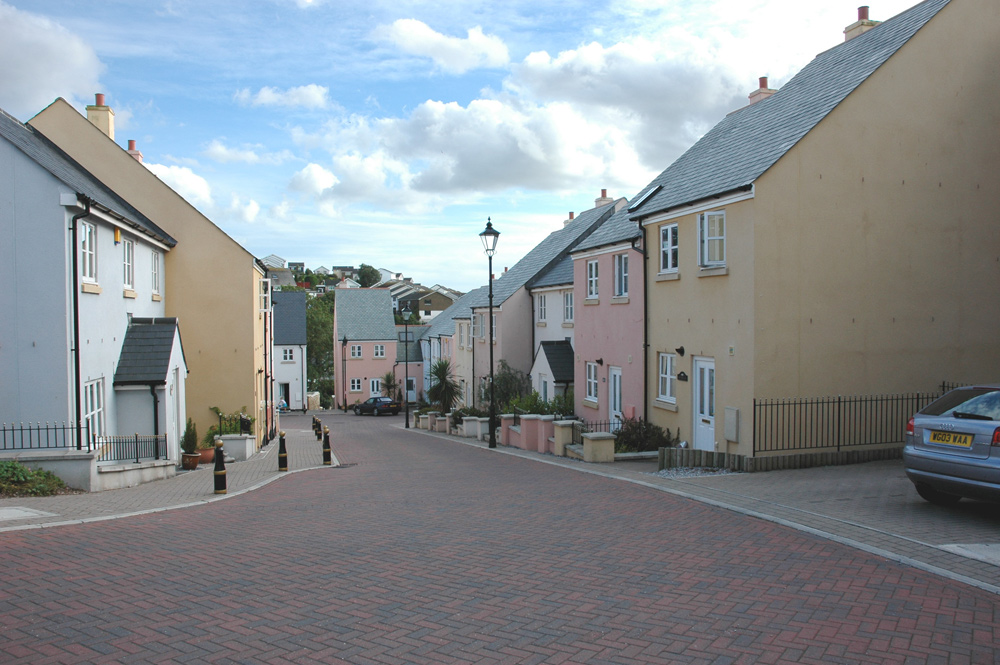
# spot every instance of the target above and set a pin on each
(489, 238)
(406, 361)
(343, 362)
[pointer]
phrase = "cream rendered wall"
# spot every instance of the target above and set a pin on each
(211, 284)
(877, 248)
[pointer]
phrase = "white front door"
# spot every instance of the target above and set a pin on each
(411, 389)
(615, 397)
(704, 404)
(375, 387)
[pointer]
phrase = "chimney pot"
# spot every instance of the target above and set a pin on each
(571, 215)
(863, 13)
(763, 82)
(604, 193)
(131, 144)
(99, 99)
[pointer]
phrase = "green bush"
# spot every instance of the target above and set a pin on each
(637, 436)
(469, 412)
(18, 480)
(561, 405)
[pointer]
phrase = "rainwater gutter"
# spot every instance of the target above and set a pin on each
(76, 317)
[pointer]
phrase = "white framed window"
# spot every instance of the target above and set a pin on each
(477, 326)
(128, 263)
(88, 252)
(493, 327)
(427, 312)
(668, 378)
(712, 239)
(156, 272)
(461, 335)
(540, 300)
(668, 248)
(568, 306)
(375, 387)
(93, 406)
(288, 354)
(355, 385)
(379, 351)
(356, 352)
(592, 381)
(621, 275)
(592, 279)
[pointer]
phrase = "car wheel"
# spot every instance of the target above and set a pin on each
(396, 412)
(375, 411)
(937, 497)
(357, 411)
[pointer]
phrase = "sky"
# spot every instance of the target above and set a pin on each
(341, 132)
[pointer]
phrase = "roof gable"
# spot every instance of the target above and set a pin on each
(146, 350)
(745, 144)
(289, 317)
(365, 314)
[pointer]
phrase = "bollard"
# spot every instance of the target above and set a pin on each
(327, 461)
(220, 467)
(282, 452)
(319, 429)
(315, 422)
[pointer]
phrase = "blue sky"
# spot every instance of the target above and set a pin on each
(337, 132)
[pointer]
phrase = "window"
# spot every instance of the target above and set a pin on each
(712, 239)
(379, 351)
(288, 354)
(427, 301)
(88, 252)
(477, 325)
(461, 335)
(592, 279)
(156, 272)
(568, 306)
(356, 352)
(93, 406)
(427, 312)
(592, 381)
(668, 378)
(355, 385)
(493, 328)
(128, 257)
(621, 275)
(668, 248)
(540, 299)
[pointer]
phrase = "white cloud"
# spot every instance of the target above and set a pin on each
(219, 152)
(185, 182)
(313, 180)
(310, 96)
(451, 54)
(246, 212)
(42, 60)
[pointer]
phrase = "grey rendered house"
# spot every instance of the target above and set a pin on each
(290, 348)
(84, 334)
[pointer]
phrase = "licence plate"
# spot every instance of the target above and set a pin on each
(952, 439)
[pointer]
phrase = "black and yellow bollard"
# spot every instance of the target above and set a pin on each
(319, 429)
(315, 421)
(327, 456)
(282, 452)
(220, 467)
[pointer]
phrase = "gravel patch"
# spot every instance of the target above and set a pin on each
(692, 472)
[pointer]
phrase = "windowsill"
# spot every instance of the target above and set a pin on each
(541, 324)
(619, 300)
(128, 293)
(590, 404)
(90, 287)
(668, 276)
(666, 406)
(713, 271)
(591, 301)
(567, 324)
(287, 362)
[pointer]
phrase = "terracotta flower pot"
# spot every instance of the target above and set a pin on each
(207, 455)
(190, 461)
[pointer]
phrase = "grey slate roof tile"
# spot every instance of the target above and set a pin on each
(50, 157)
(738, 150)
(444, 323)
(559, 274)
(559, 354)
(365, 314)
(145, 354)
(618, 228)
(289, 317)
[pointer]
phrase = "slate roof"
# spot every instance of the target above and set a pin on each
(280, 276)
(544, 255)
(365, 314)
(145, 354)
(738, 150)
(444, 323)
(416, 353)
(618, 228)
(559, 354)
(559, 274)
(50, 157)
(289, 317)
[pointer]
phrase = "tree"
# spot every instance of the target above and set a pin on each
(508, 384)
(368, 276)
(444, 390)
(319, 337)
(390, 385)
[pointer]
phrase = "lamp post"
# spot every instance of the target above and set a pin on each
(343, 362)
(489, 238)
(406, 361)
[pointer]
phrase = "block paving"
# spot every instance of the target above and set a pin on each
(421, 549)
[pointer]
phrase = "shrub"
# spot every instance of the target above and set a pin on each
(190, 441)
(18, 480)
(636, 436)
(469, 412)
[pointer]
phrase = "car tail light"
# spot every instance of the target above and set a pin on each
(909, 429)
(996, 438)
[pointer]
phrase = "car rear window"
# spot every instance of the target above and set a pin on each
(983, 402)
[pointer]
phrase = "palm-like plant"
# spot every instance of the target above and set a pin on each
(390, 385)
(444, 390)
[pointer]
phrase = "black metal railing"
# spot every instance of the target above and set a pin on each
(39, 436)
(582, 427)
(799, 424)
(235, 424)
(133, 448)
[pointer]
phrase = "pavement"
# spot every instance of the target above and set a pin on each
(871, 507)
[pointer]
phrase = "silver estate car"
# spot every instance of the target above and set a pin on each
(953, 446)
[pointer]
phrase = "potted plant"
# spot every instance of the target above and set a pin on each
(206, 449)
(189, 445)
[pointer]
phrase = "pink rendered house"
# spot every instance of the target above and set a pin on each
(365, 342)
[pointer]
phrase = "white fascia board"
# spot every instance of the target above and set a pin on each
(111, 218)
(551, 289)
(617, 248)
(701, 206)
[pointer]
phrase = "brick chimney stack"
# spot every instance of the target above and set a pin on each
(101, 116)
(571, 215)
(862, 25)
(603, 200)
(132, 150)
(761, 93)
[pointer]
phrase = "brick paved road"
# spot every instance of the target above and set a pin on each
(428, 551)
